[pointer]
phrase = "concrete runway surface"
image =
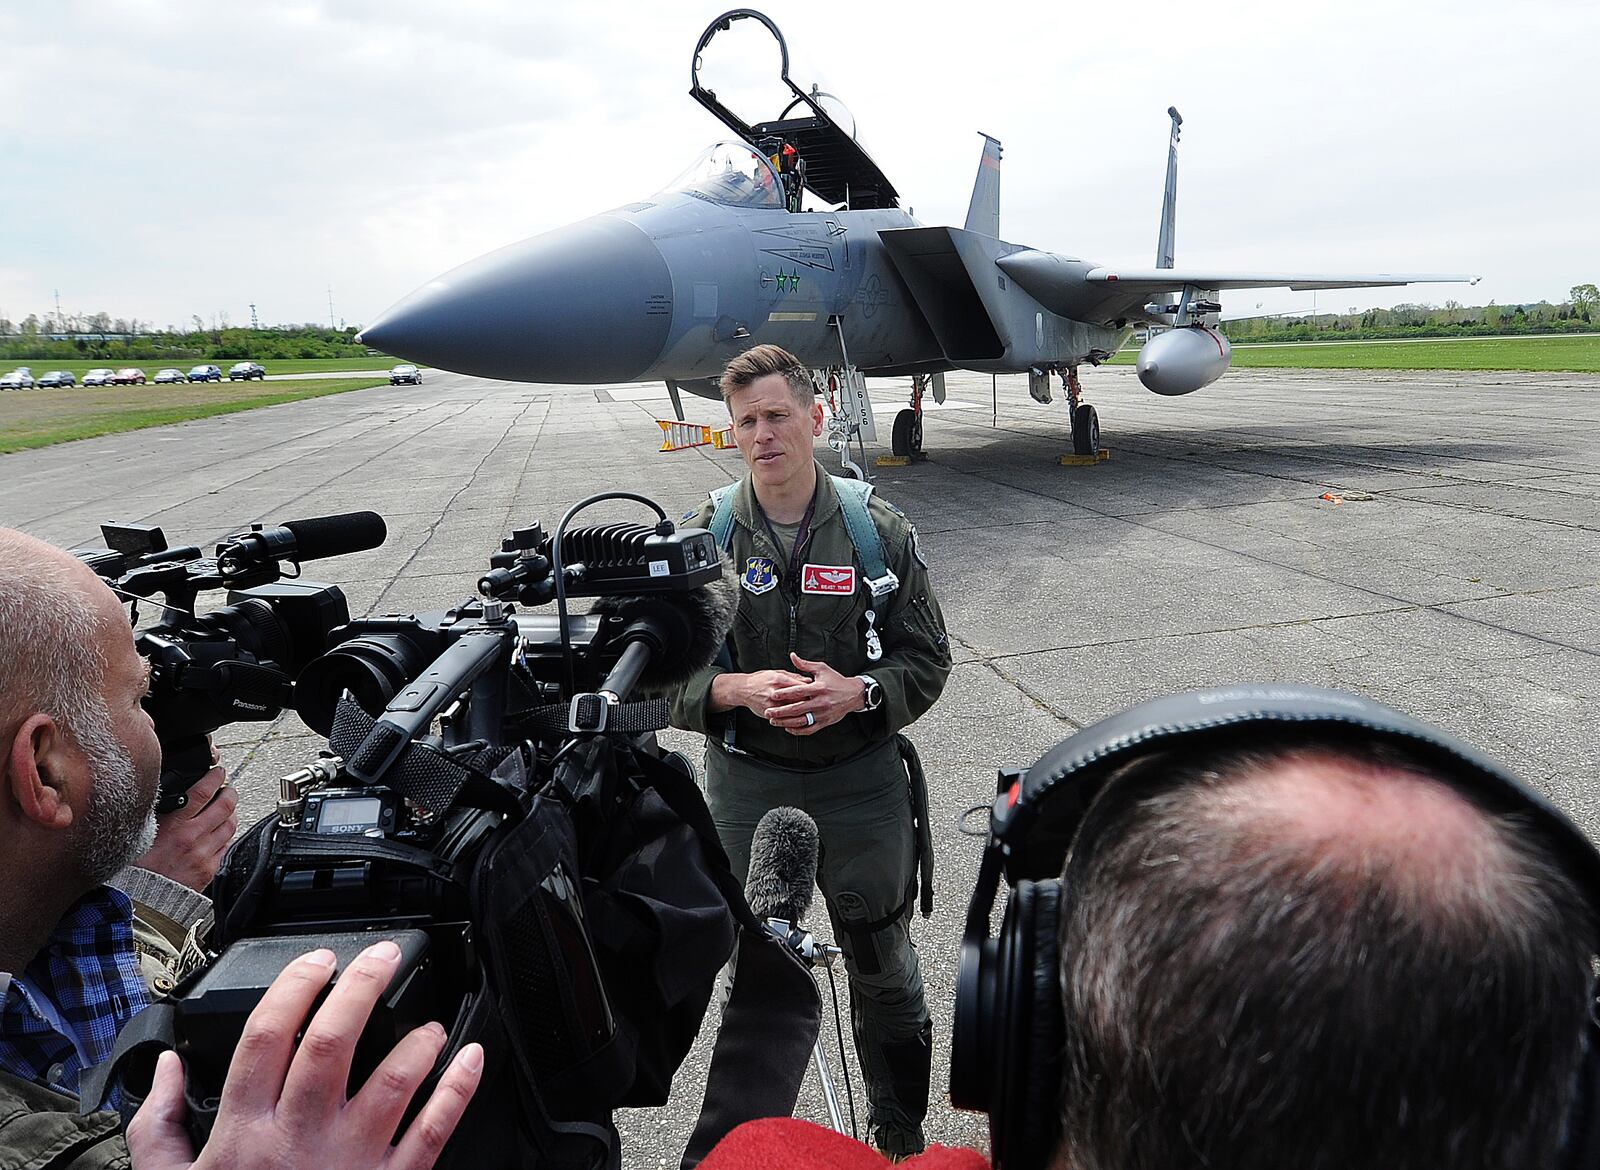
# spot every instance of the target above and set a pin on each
(1466, 590)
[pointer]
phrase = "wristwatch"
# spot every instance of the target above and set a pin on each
(874, 693)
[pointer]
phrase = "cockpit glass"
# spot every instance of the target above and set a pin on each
(734, 174)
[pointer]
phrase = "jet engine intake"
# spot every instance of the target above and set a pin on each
(1180, 361)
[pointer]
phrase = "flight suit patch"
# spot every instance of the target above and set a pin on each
(839, 579)
(760, 575)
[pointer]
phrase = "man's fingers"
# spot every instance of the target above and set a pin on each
(807, 666)
(427, 1134)
(156, 1137)
(203, 789)
(382, 1100)
(321, 1067)
(256, 1073)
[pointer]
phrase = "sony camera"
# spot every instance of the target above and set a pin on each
(492, 798)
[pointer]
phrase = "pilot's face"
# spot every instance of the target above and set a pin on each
(774, 431)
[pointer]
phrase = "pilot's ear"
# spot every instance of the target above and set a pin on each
(40, 772)
(816, 418)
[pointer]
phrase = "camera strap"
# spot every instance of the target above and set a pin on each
(562, 719)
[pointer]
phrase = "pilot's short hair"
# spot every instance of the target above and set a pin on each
(753, 364)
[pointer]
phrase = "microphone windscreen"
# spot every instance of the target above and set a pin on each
(333, 536)
(783, 865)
(695, 623)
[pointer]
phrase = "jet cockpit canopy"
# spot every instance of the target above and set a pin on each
(838, 169)
(732, 174)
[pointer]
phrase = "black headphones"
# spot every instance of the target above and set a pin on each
(1009, 1035)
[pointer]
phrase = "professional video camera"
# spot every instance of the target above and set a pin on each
(494, 801)
(237, 662)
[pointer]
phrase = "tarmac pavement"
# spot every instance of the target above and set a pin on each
(1466, 590)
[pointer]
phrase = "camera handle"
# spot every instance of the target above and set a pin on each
(183, 762)
(480, 653)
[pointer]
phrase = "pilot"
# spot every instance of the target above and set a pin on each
(787, 163)
(820, 675)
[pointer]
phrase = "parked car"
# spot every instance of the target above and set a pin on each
(205, 374)
(58, 378)
(17, 380)
(244, 371)
(405, 374)
(99, 377)
(128, 376)
(167, 375)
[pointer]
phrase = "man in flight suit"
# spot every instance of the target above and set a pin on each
(824, 672)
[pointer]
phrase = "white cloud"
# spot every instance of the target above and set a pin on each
(191, 158)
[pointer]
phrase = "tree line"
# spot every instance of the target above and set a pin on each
(99, 337)
(1579, 313)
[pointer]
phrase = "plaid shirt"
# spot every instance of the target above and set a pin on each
(62, 1013)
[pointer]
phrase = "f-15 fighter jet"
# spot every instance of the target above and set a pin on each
(725, 258)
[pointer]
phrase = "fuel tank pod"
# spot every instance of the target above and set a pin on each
(1180, 361)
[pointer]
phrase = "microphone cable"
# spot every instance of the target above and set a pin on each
(844, 1065)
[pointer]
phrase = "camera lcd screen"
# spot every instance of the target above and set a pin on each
(360, 811)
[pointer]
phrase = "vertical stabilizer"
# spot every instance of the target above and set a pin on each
(1165, 243)
(983, 213)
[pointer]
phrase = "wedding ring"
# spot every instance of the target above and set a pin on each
(810, 719)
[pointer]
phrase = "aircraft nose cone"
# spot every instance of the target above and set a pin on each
(587, 303)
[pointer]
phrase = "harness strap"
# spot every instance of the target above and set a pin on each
(853, 496)
(722, 517)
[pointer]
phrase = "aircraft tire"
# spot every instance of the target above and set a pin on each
(1085, 431)
(906, 438)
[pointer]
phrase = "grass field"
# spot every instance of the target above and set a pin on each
(38, 418)
(1572, 352)
(274, 366)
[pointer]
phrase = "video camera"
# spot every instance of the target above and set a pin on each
(492, 798)
(237, 662)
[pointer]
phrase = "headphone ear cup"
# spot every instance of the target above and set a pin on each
(1025, 1118)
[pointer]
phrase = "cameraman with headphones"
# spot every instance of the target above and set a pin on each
(1266, 927)
(79, 763)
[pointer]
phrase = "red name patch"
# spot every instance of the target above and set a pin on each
(828, 579)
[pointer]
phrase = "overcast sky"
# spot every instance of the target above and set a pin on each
(161, 159)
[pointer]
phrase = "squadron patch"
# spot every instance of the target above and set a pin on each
(828, 579)
(760, 575)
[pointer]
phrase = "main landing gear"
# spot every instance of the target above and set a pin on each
(1085, 422)
(906, 438)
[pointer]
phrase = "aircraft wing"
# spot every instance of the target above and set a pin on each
(1087, 291)
(1158, 280)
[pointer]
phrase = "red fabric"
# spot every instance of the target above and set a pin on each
(786, 1143)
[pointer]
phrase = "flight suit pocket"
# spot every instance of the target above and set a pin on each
(917, 622)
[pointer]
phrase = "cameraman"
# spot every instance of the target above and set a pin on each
(79, 762)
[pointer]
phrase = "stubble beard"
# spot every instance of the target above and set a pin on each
(119, 824)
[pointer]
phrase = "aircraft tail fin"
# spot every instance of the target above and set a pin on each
(983, 213)
(1165, 244)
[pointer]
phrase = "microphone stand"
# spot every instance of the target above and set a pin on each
(805, 946)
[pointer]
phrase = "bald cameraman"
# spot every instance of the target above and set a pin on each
(1354, 945)
(79, 762)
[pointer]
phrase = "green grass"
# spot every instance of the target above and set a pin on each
(1566, 352)
(40, 418)
(274, 366)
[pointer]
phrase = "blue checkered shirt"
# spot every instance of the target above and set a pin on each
(62, 1013)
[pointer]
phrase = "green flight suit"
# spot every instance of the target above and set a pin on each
(849, 777)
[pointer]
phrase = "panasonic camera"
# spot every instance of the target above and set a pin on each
(237, 662)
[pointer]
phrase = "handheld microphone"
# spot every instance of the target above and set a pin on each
(310, 539)
(783, 865)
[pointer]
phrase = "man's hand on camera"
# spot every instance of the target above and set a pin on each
(191, 840)
(826, 697)
(754, 692)
(283, 1106)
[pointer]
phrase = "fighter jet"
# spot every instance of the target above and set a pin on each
(732, 255)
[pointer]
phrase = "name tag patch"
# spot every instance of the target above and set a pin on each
(828, 579)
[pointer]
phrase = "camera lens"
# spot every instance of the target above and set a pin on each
(373, 668)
